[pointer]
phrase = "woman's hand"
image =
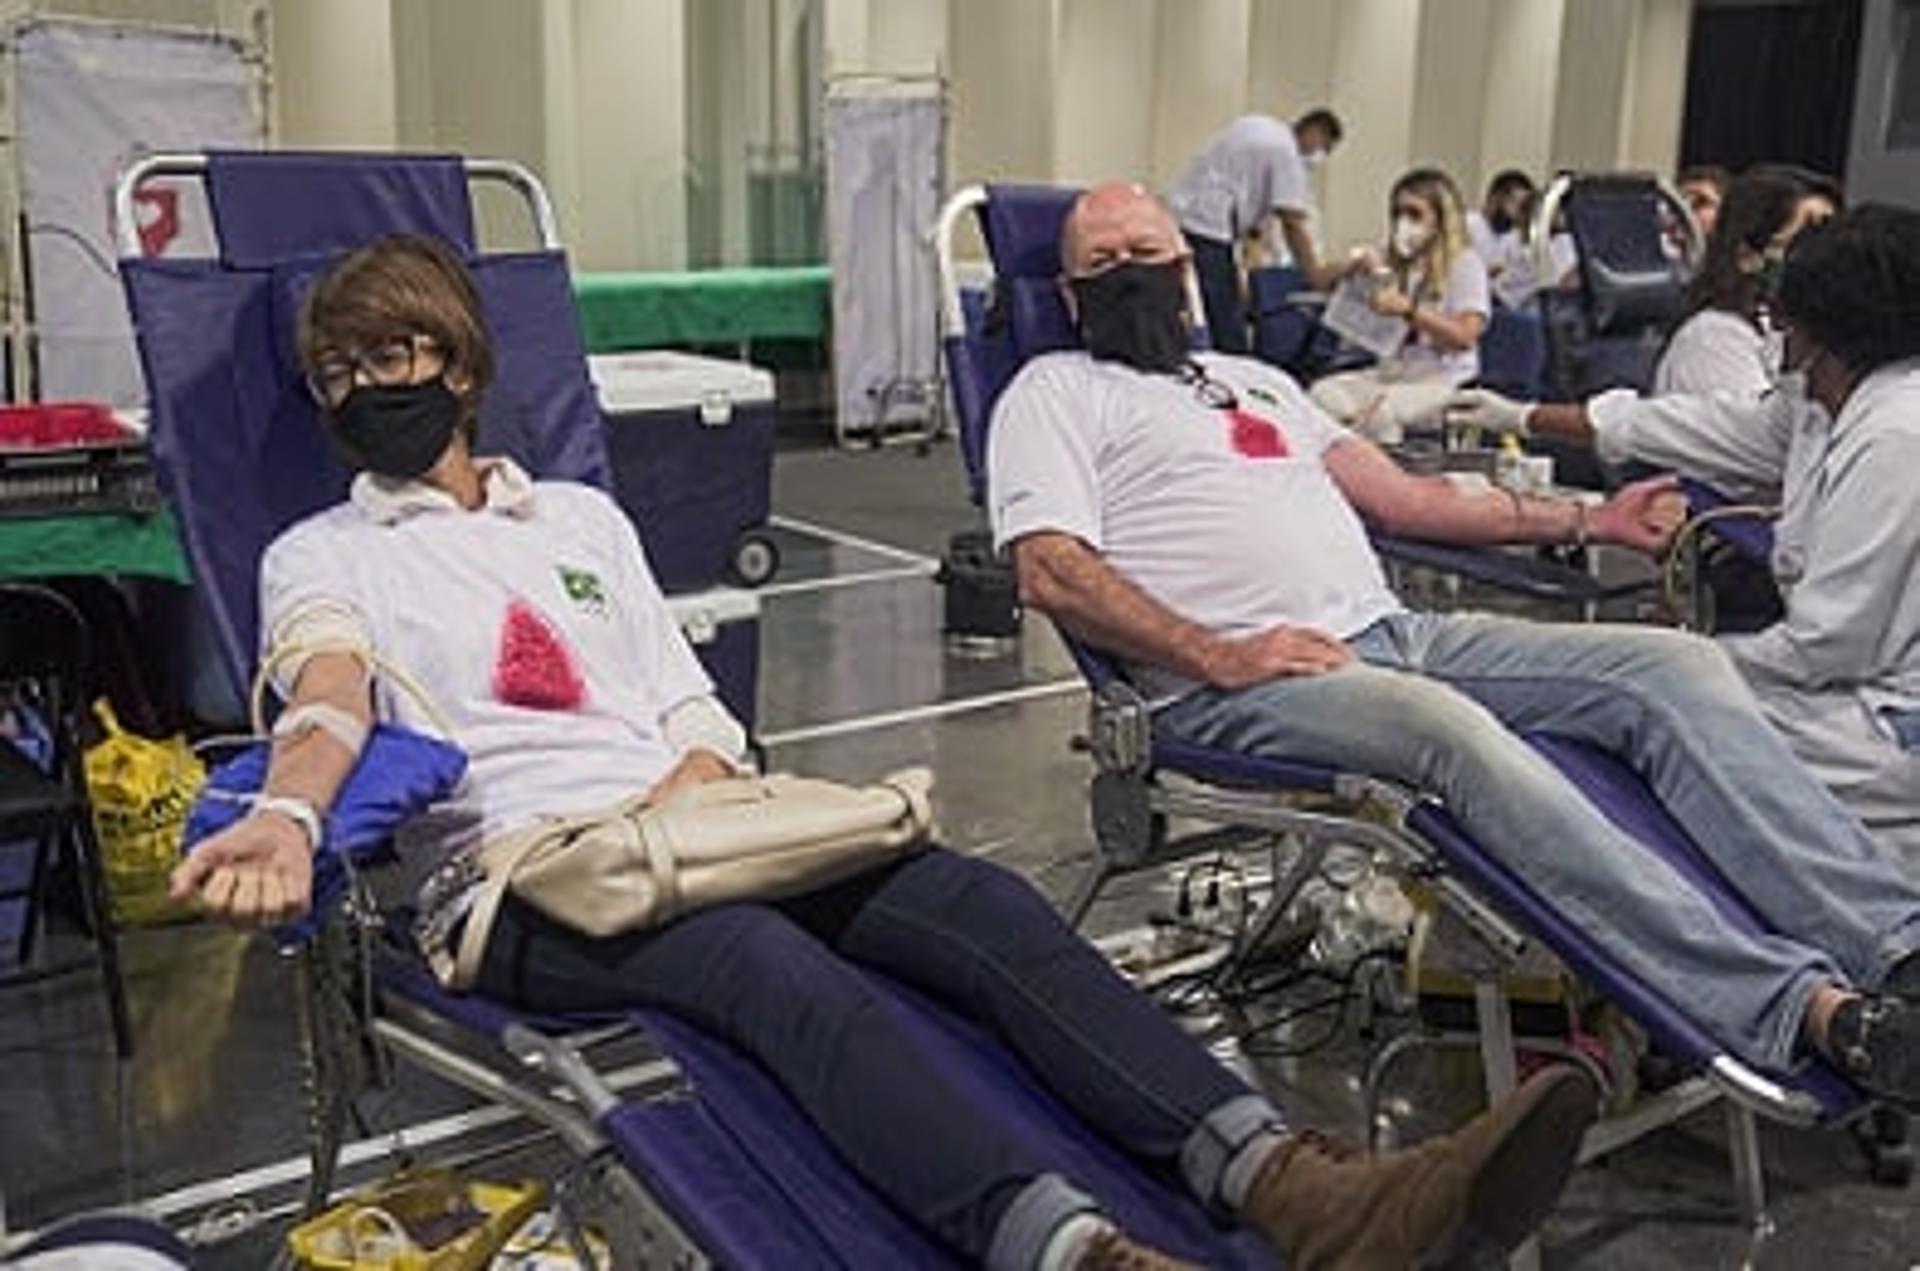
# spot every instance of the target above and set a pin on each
(696, 768)
(1393, 302)
(258, 872)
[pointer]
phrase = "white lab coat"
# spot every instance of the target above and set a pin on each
(1843, 665)
(1715, 351)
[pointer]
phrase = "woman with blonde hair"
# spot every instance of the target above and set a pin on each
(1436, 284)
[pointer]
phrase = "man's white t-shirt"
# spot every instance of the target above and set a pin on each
(1226, 516)
(1466, 291)
(533, 625)
(1717, 352)
(1248, 170)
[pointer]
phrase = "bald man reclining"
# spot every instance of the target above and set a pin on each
(1198, 516)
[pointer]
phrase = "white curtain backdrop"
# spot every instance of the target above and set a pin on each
(884, 140)
(91, 97)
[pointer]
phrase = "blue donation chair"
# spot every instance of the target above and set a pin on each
(719, 1167)
(1315, 807)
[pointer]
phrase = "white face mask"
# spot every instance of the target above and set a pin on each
(1410, 237)
(1793, 387)
(1313, 158)
(1773, 345)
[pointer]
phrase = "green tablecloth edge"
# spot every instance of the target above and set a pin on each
(634, 310)
(103, 544)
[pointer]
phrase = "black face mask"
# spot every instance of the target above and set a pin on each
(397, 432)
(1500, 220)
(1136, 313)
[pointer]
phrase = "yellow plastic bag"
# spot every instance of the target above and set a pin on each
(141, 791)
(426, 1219)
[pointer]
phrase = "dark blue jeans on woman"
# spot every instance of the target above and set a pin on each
(777, 981)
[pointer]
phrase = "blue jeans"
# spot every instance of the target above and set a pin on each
(775, 980)
(1436, 700)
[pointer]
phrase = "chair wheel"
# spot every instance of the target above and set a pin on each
(755, 560)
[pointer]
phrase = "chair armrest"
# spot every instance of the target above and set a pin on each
(1523, 574)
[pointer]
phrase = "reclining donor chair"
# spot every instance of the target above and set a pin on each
(1312, 807)
(711, 1161)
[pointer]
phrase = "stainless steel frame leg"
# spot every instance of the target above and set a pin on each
(1749, 1177)
(1502, 1075)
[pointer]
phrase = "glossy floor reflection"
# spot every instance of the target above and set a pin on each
(855, 680)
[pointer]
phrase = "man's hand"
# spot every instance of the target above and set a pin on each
(1275, 653)
(1488, 411)
(258, 872)
(696, 768)
(1642, 516)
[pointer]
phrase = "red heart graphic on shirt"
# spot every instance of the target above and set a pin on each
(534, 667)
(1256, 438)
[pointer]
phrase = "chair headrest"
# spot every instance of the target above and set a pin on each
(1632, 281)
(1022, 224)
(274, 206)
(1038, 317)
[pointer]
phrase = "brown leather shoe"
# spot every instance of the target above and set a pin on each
(1451, 1200)
(1114, 1250)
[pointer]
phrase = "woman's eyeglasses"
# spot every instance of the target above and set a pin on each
(385, 365)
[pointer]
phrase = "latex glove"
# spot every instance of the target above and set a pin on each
(1487, 410)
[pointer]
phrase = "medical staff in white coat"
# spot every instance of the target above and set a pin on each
(1839, 673)
(1254, 169)
(1726, 341)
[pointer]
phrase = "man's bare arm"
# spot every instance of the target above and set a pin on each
(1319, 275)
(1398, 502)
(1067, 580)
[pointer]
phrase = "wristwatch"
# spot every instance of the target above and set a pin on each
(298, 810)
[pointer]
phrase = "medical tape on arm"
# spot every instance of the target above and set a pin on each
(327, 626)
(343, 726)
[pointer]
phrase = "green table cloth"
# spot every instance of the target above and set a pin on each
(703, 307)
(50, 546)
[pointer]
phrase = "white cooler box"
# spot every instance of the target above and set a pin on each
(723, 626)
(691, 439)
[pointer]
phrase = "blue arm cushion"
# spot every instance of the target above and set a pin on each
(400, 773)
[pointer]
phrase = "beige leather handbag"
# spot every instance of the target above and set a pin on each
(637, 866)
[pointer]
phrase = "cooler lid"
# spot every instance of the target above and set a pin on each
(665, 380)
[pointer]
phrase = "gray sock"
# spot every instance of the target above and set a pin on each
(1245, 1166)
(1069, 1241)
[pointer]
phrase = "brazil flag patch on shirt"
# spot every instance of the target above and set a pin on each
(583, 588)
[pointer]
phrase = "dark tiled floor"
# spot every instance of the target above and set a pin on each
(216, 1089)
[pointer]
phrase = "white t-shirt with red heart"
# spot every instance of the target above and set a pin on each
(533, 625)
(1225, 513)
